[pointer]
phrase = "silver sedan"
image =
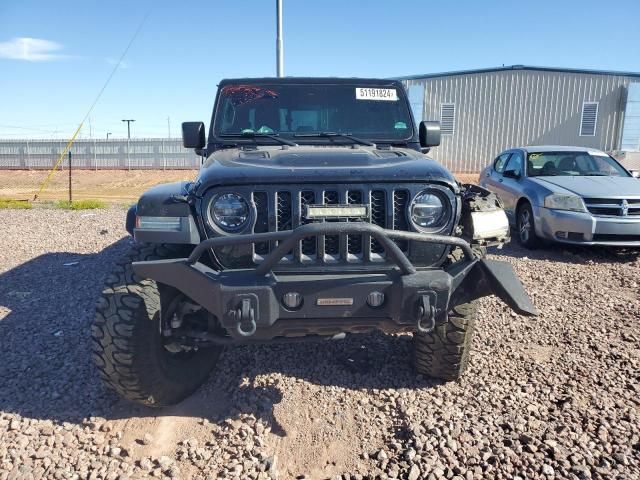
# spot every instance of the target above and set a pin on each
(566, 194)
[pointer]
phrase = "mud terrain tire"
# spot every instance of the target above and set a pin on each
(444, 352)
(127, 342)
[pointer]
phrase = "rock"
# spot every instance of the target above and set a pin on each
(414, 472)
(165, 462)
(548, 470)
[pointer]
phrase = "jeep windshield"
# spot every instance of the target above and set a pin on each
(313, 113)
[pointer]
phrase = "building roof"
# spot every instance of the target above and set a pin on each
(521, 67)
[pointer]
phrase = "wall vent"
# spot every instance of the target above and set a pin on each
(589, 119)
(447, 118)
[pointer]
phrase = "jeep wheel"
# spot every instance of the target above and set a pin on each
(129, 349)
(444, 352)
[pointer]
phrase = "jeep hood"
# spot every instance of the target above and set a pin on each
(310, 164)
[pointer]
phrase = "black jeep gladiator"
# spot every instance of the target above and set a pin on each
(315, 214)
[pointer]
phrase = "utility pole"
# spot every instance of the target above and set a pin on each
(279, 48)
(129, 127)
(169, 126)
(108, 133)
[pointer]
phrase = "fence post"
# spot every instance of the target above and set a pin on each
(164, 158)
(95, 154)
(128, 154)
(70, 197)
(27, 160)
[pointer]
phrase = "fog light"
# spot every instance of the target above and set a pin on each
(292, 300)
(375, 299)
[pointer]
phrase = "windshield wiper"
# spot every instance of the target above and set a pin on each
(335, 134)
(594, 174)
(254, 135)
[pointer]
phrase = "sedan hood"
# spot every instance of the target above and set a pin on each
(311, 164)
(593, 187)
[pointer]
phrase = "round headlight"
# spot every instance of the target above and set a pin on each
(427, 210)
(230, 211)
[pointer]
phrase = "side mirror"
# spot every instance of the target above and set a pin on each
(510, 174)
(193, 135)
(429, 133)
(635, 173)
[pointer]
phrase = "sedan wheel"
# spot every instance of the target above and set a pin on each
(526, 227)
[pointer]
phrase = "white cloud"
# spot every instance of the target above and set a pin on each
(31, 49)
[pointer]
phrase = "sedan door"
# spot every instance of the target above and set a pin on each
(511, 183)
(491, 178)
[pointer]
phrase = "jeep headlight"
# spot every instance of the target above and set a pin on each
(559, 201)
(230, 211)
(427, 210)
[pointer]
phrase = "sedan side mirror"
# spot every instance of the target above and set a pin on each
(193, 135)
(511, 174)
(429, 133)
(635, 173)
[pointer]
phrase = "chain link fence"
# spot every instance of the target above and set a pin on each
(135, 154)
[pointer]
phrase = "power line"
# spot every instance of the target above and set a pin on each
(115, 68)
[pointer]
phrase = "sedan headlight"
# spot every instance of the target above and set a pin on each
(230, 212)
(427, 210)
(559, 201)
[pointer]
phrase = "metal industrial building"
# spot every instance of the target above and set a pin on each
(483, 112)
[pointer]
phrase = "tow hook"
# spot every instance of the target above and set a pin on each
(426, 315)
(244, 316)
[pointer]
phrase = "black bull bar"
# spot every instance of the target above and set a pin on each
(248, 302)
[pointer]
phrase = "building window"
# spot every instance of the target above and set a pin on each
(589, 119)
(447, 118)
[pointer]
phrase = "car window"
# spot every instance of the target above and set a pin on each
(568, 163)
(500, 162)
(515, 163)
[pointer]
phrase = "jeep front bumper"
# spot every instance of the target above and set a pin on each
(250, 304)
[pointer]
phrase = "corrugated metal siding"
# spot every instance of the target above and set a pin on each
(500, 110)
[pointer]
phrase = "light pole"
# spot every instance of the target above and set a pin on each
(108, 133)
(279, 48)
(129, 127)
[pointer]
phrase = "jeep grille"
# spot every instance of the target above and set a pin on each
(281, 208)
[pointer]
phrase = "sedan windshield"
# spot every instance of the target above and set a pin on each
(545, 164)
(314, 112)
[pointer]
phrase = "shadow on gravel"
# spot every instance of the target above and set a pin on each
(46, 370)
(46, 307)
(575, 254)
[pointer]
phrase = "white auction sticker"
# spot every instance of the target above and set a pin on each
(388, 94)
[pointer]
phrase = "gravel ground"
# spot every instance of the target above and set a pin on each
(554, 396)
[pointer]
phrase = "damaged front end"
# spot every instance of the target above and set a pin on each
(254, 305)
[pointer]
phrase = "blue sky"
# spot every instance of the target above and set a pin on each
(49, 80)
